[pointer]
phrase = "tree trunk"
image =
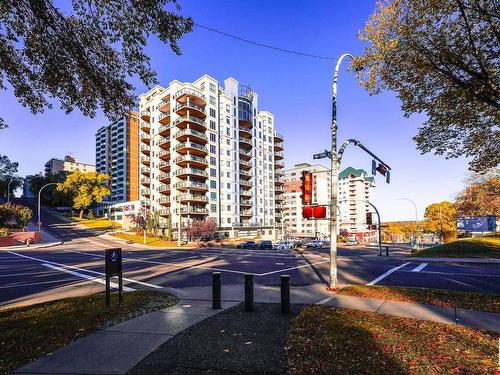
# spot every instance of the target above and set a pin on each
(81, 214)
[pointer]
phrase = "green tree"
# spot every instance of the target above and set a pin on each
(85, 188)
(14, 215)
(8, 169)
(442, 58)
(442, 218)
(83, 55)
(51, 197)
(22, 215)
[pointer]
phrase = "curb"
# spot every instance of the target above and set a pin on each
(35, 246)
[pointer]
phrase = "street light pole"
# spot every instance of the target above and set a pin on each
(39, 223)
(416, 217)
(334, 179)
(8, 190)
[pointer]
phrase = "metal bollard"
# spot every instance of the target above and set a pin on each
(216, 291)
(387, 251)
(248, 292)
(285, 294)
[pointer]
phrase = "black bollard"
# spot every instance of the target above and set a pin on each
(285, 294)
(387, 251)
(216, 291)
(248, 292)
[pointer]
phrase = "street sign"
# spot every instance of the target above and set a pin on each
(477, 223)
(113, 267)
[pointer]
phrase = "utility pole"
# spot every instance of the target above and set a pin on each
(8, 190)
(334, 179)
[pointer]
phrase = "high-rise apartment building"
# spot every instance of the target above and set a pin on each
(68, 164)
(208, 151)
(355, 188)
(117, 154)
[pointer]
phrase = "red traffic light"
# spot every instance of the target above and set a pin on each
(307, 212)
(316, 212)
(381, 169)
(306, 187)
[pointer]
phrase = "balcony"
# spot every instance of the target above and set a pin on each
(164, 118)
(164, 130)
(278, 146)
(246, 165)
(164, 105)
(193, 95)
(191, 160)
(164, 166)
(245, 143)
(191, 122)
(164, 142)
(245, 132)
(183, 109)
(146, 181)
(164, 154)
(279, 189)
(192, 148)
(164, 212)
(164, 177)
(278, 197)
(146, 150)
(192, 172)
(245, 155)
(146, 192)
(164, 189)
(146, 160)
(246, 213)
(245, 183)
(245, 175)
(145, 115)
(246, 202)
(279, 165)
(164, 201)
(191, 185)
(190, 134)
(145, 126)
(278, 137)
(146, 171)
(192, 211)
(192, 198)
(245, 192)
(145, 138)
(278, 155)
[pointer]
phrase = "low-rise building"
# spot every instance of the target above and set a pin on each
(68, 164)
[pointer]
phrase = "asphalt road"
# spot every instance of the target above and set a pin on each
(77, 267)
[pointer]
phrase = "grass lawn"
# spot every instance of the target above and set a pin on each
(325, 340)
(478, 247)
(27, 333)
(446, 298)
(151, 241)
(97, 223)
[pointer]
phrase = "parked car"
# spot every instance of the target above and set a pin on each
(284, 245)
(314, 244)
(264, 245)
(352, 243)
(246, 245)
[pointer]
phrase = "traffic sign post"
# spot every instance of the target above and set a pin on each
(113, 266)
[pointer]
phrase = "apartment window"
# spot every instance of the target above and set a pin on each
(212, 124)
(229, 187)
(211, 87)
(229, 208)
(213, 172)
(213, 184)
(212, 137)
(212, 112)
(213, 208)
(212, 160)
(212, 100)
(212, 149)
(213, 196)
(202, 86)
(228, 108)
(228, 121)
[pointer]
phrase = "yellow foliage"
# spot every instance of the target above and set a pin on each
(85, 188)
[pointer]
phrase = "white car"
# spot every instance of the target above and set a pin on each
(283, 245)
(315, 244)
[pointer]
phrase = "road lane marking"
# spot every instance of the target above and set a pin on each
(87, 277)
(291, 268)
(419, 267)
(384, 275)
(85, 270)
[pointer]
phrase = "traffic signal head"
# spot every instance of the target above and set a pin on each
(369, 218)
(306, 187)
(381, 169)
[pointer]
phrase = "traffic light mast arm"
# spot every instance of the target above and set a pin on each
(361, 146)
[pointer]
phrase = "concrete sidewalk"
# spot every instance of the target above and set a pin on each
(47, 240)
(117, 349)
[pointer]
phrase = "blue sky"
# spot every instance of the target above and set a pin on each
(295, 88)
